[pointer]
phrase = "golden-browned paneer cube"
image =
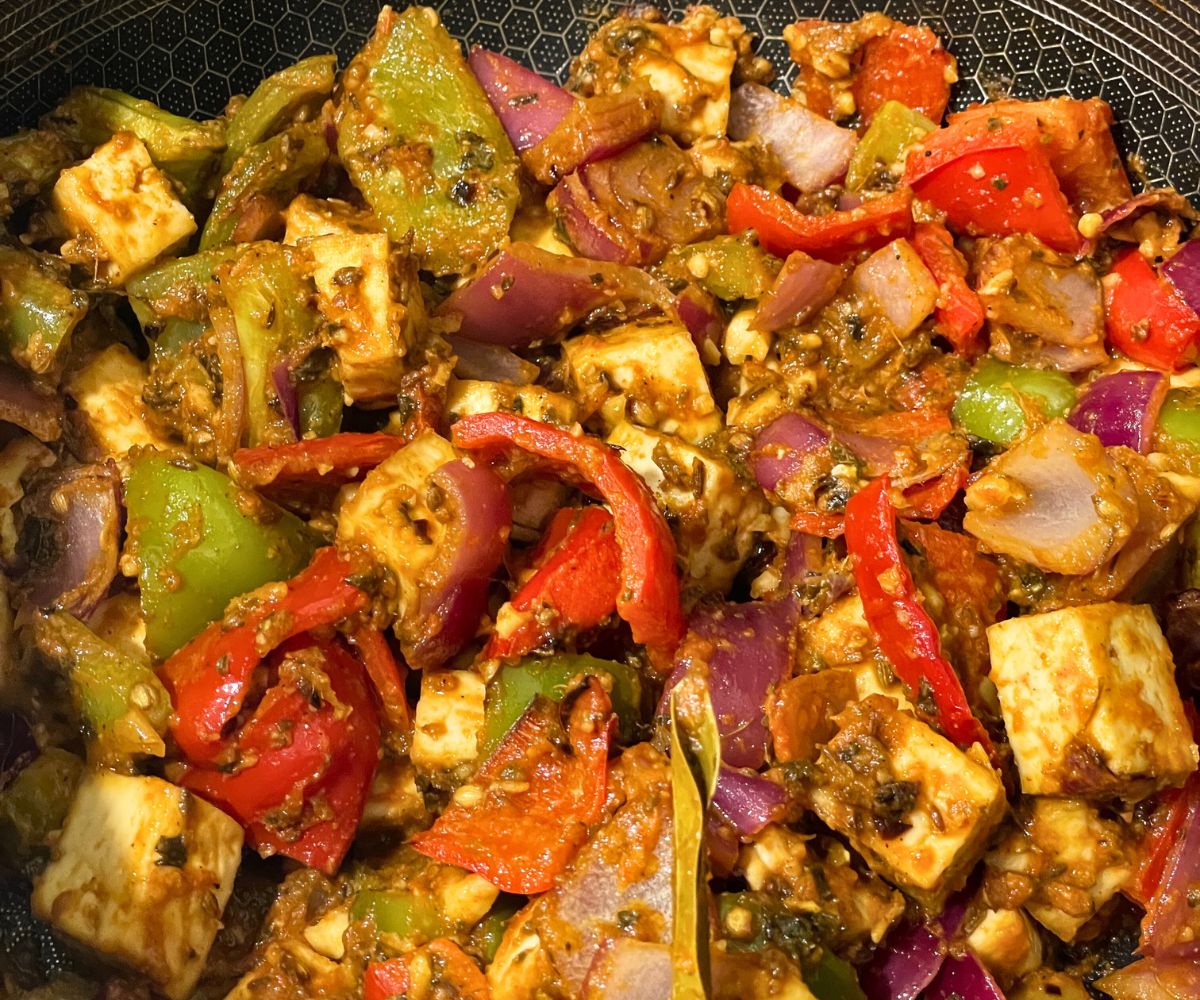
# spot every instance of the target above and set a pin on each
(307, 217)
(714, 514)
(467, 396)
(917, 808)
(1007, 943)
(110, 415)
(448, 720)
(1063, 862)
(141, 874)
(120, 209)
(655, 366)
(1090, 703)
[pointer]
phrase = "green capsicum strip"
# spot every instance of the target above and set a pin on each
(993, 403)
(30, 163)
(200, 540)
(894, 128)
(38, 308)
(729, 267)
(402, 912)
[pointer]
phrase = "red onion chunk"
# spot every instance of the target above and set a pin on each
(30, 405)
(909, 961)
(628, 969)
(282, 380)
(490, 362)
(1183, 271)
(450, 609)
(747, 648)
(1168, 199)
(1122, 409)
(748, 800)
(899, 284)
(576, 208)
(1171, 929)
(803, 286)
(963, 979)
(528, 106)
(781, 447)
(700, 313)
(813, 151)
(723, 845)
(877, 453)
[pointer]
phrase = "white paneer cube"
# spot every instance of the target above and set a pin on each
(141, 874)
(372, 318)
(534, 224)
(120, 209)
(307, 217)
(395, 802)
(1007, 943)
(713, 513)
(743, 340)
(656, 366)
(1090, 703)
(1064, 862)
(930, 807)
(448, 721)
(467, 396)
(521, 968)
(110, 415)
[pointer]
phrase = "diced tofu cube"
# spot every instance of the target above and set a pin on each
(448, 721)
(141, 874)
(373, 311)
(394, 801)
(917, 808)
(657, 368)
(1063, 863)
(1090, 703)
(1007, 943)
(120, 209)
(307, 217)
(713, 513)
(467, 396)
(110, 416)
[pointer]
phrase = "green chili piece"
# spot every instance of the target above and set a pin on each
(894, 128)
(201, 541)
(993, 403)
(1179, 418)
(38, 307)
(515, 686)
(421, 142)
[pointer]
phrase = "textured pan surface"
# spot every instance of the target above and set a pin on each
(1143, 57)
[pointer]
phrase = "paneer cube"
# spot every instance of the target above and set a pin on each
(917, 808)
(448, 721)
(110, 415)
(713, 513)
(467, 396)
(1063, 863)
(120, 209)
(1007, 943)
(141, 875)
(1090, 703)
(372, 303)
(656, 367)
(307, 217)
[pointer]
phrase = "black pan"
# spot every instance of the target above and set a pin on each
(1142, 56)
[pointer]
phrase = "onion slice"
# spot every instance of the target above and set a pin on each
(748, 801)
(1183, 271)
(781, 447)
(1122, 409)
(528, 106)
(490, 362)
(231, 418)
(963, 978)
(803, 286)
(29, 404)
(909, 961)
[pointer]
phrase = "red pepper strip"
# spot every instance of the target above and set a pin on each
(536, 799)
(1162, 833)
(575, 584)
(208, 678)
(452, 973)
(994, 183)
(302, 797)
(386, 980)
(906, 64)
(1145, 316)
(386, 675)
(782, 228)
(332, 460)
(648, 598)
(906, 634)
(821, 525)
(926, 501)
(959, 313)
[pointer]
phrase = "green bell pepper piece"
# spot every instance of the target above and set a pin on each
(320, 406)
(38, 307)
(490, 930)
(1179, 418)
(894, 128)
(30, 163)
(177, 288)
(512, 690)
(299, 90)
(993, 403)
(277, 168)
(399, 911)
(188, 151)
(201, 541)
(121, 701)
(729, 267)
(35, 804)
(421, 142)
(833, 978)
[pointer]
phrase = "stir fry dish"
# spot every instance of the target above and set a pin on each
(675, 536)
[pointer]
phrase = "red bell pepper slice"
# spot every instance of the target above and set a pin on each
(386, 675)
(822, 525)
(907, 635)
(994, 182)
(1145, 317)
(301, 767)
(958, 314)
(926, 501)
(454, 974)
(209, 677)
(648, 598)
(574, 584)
(536, 799)
(386, 980)
(1162, 833)
(782, 228)
(905, 64)
(333, 460)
